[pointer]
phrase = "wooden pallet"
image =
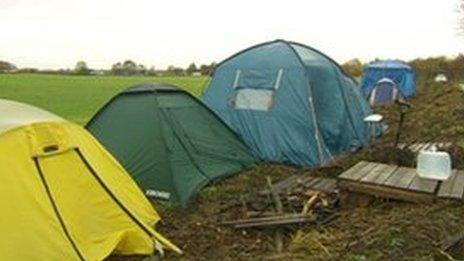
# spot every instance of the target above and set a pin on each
(326, 185)
(401, 183)
(416, 147)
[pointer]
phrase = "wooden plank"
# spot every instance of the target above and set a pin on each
(305, 183)
(422, 147)
(297, 183)
(458, 187)
(270, 221)
(412, 147)
(419, 146)
(302, 180)
(321, 184)
(401, 178)
(452, 187)
(378, 170)
(447, 186)
(356, 172)
(313, 183)
(286, 182)
(358, 166)
(309, 182)
(326, 185)
(380, 179)
(423, 185)
(364, 171)
(427, 146)
(386, 192)
(415, 147)
(331, 186)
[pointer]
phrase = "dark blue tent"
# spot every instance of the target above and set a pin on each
(289, 103)
(399, 72)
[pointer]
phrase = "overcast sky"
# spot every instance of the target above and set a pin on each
(58, 33)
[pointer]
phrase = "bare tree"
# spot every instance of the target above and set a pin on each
(460, 11)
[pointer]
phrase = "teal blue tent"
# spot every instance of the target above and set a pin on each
(290, 103)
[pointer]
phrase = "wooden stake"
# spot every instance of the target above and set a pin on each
(280, 210)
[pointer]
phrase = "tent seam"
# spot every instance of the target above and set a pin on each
(111, 194)
(319, 137)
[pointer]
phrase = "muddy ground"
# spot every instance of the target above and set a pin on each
(384, 230)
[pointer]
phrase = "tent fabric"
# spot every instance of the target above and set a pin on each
(64, 197)
(397, 71)
(289, 103)
(168, 140)
(17, 115)
(385, 92)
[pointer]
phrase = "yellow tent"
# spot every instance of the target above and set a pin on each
(63, 196)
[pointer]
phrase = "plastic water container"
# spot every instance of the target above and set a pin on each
(433, 164)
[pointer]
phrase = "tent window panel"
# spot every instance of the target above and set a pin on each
(254, 99)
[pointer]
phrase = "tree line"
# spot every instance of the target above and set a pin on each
(123, 68)
(426, 68)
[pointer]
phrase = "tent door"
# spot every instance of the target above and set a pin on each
(56, 211)
(64, 175)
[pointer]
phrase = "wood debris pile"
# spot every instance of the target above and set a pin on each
(292, 201)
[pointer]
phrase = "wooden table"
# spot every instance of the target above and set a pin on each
(390, 181)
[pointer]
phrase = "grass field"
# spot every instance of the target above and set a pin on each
(77, 98)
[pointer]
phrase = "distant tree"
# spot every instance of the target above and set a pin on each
(191, 69)
(28, 70)
(129, 67)
(207, 69)
(81, 68)
(68, 71)
(141, 69)
(427, 69)
(175, 71)
(7, 66)
(354, 67)
(151, 71)
(461, 17)
(116, 68)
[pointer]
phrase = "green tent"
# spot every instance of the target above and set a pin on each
(168, 140)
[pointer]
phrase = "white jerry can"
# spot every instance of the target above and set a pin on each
(433, 164)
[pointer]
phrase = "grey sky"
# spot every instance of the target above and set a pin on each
(57, 33)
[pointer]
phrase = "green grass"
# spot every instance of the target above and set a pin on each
(77, 98)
